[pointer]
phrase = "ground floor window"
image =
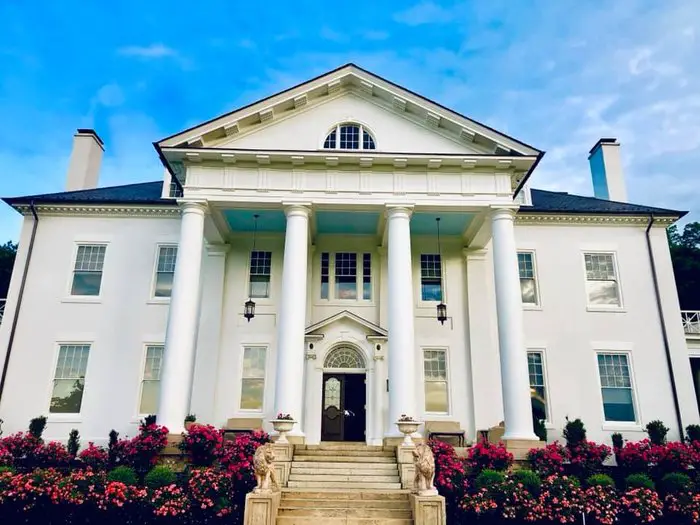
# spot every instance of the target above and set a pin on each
(616, 387)
(538, 389)
(253, 381)
(150, 384)
(435, 379)
(69, 379)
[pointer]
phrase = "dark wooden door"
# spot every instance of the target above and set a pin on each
(344, 412)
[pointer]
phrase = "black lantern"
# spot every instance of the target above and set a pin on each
(442, 307)
(249, 306)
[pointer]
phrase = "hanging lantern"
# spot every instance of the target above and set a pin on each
(249, 306)
(442, 307)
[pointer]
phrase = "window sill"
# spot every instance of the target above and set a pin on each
(85, 299)
(64, 418)
(346, 302)
(622, 426)
(158, 300)
(532, 307)
(612, 309)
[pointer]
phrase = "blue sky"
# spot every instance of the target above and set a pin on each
(557, 75)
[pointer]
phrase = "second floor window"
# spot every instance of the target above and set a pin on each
(430, 277)
(351, 275)
(87, 272)
(165, 271)
(601, 280)
(528, 284)
(260, 269)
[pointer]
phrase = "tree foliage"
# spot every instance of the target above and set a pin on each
(8, 251)
(685, 254)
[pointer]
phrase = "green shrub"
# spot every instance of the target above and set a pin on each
(540, 429)
(124, 474)
(675, 482)
(656, 431)
(692, 432)
(37, 426)
(159, 477)
(488, 479)
(600, 480)
(574, 432)
(639, 481)
(190, 418)
(7, 469)
(617, 441)
(529, 479)
(73, 444)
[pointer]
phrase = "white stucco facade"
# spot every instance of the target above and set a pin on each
(314, 203)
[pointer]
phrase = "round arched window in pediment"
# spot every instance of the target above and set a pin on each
(349, 136)
(344, 357)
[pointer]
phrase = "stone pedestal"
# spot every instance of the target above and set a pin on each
(407, 469)
(428, 510)
(283, 461)
(520, 447)
(261, 509)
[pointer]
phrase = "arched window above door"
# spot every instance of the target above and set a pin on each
(344, 357)
(349, 136)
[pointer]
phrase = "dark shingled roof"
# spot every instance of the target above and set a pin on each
(149, 193)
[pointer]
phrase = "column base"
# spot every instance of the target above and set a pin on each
(520, 447)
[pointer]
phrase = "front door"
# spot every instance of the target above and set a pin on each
(344, 398)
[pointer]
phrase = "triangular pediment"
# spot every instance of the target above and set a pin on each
(371, 329)
(348, 94)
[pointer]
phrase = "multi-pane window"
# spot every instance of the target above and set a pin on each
(260, 264)
(528, 282)
(349, 136)
(538, 389)
(87, 272)
(616, 387)
(174, 191)
(430, 277)
(253, 380)
(150, 385)
(351, 274)
(601, 279)
(346, 275)
(165, 270)
(69, 379)
(435, 377)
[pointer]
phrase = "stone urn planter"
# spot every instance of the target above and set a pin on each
(408, 427)
(283, 426)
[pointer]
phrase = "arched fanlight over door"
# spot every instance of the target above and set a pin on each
(344, 357)
(349, 136)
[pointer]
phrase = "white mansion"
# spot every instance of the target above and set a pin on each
(290, 261)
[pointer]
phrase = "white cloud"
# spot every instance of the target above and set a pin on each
(110, 95)
(327, 33)
(152, 51)
(425, 12)
(375, 35)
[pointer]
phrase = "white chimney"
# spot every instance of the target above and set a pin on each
(606, 170)
(85, 160)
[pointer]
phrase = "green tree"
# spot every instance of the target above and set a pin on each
(685, 254)
(8, 252)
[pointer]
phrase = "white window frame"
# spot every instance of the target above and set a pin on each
(448, 378)
(336, 128)
(601, 307)
(143, 373)
(154, 279)
(264, 378)
(359, 278)
(537, 305)
(618, 425)
(72, 417)
(269, 285)
(69, 291)
(419, 272)
(545, 379)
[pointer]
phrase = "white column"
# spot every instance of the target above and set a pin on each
(292, 316)
(515, 385)
(402, 352)
(183, 321)
(379, 387)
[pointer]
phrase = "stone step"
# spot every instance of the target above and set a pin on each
(337, 503)
(343, 446)
(364, 470)
(345, 477)
(337, 465)
(344, 485)
(348, 453)
(306, 520)
(340, 494)
(345, 459)
(346, 513)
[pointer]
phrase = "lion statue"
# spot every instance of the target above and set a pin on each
(264, 468)
(424, 463)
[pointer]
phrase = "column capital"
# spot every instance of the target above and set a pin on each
(398, 210)
(297, 209)
(194, 207)
(503, 212)
(217, 249)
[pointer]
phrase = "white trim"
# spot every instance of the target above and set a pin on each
(241, 359)
(138, 415)
(596, 307)
(619, 425)
(542, 350)
(69, 297)
(154, 274)
(537, 305)
(448, 378)
(332, 300)
(418, 283)
(260, 300)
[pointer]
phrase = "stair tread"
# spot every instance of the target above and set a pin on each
(346, 484)
(344, 459)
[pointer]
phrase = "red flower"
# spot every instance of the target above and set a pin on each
(485, 455)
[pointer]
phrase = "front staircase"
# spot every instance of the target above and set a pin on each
(344, 483)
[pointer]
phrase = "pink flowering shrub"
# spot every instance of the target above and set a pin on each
(485, 455)
(548, 460)
(210, 491)
(519, 503)
(236, 456)
(52, 454)
(5, 456)
(641, 505)
(587, 458)
(684, 507)
(202, 443)
(93, 456)
(562, 499)
(602, 505)
(633, 456)
(672, 457)
(21, 445)
(170, 501)
(450, 474)
(141, 452)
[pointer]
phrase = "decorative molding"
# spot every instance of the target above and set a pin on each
(432, 119)
(301, 101)
(525, 217)
(474, 254)
(367, 87)
(232, 129)
(333, 87)
(399, 103)
(167, 212)
(266, 115)
(310, 356)
(467, 135)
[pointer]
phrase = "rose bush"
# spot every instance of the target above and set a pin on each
(485, 455)
(548, 460)
(202, 443)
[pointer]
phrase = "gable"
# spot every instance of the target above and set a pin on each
(307, 129)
